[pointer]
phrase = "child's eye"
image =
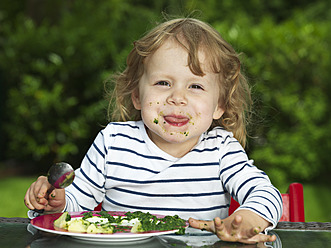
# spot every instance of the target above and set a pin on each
(163, 83)
(196, 86)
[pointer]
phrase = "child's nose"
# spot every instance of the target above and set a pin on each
(177, 97)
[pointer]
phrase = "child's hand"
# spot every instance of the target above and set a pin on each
(37, 197)
(242, 226)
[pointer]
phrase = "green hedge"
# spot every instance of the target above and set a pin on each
(288, 64)
(52, 69)
(54, 73)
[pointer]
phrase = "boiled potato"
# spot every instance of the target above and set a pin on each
(136, 228)
(61, 221)
(93, 228)
(78, 226)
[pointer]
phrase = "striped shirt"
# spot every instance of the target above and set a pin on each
(126, 171)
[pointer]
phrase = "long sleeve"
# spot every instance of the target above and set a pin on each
(87, 189)
(248, 185)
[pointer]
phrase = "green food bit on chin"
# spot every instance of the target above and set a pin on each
(156, 121)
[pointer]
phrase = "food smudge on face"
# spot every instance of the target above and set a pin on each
(156, 121)
(184, 133)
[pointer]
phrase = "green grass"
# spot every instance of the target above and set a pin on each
(317, 199)
(12, 191)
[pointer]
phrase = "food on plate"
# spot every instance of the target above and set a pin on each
(62, 221)
(104, 222)
(77, 225)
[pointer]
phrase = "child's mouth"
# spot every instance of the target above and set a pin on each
(176, 120)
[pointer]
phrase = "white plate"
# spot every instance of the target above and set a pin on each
(45, 223)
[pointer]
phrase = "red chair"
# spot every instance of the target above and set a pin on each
(293, 205)
(98, 208)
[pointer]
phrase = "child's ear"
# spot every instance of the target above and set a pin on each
(135, 99)
(218, 112)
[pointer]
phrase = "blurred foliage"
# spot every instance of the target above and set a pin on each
(55, 56)
(288, 63)
(53, 68)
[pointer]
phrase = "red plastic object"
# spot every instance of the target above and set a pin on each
(233, 206)
(98, 208)
(293, 204)
(296, 203)
(286, 208)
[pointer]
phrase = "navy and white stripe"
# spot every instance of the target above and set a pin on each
(126, 171)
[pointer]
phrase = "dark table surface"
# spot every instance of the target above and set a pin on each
(16, 232)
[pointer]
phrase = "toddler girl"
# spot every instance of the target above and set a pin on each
(177, 144)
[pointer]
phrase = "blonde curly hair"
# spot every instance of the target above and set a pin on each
(194, 35)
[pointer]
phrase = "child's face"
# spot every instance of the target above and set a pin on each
(176, 105)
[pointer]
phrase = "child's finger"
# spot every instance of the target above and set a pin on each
(27, 201)
(52, 194)
(261, 238)
(254, 231)
(41, 187)
(272, 238)
(219, 227)
(202, 225)
(33, 202)
(235, 224)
